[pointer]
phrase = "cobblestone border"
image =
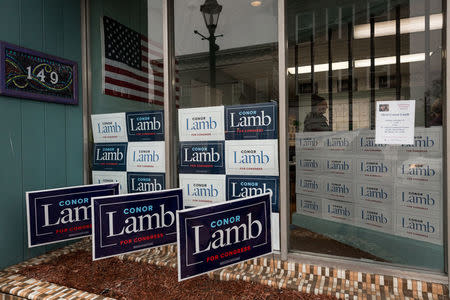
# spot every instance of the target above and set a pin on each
(343, 284)
(9, 297)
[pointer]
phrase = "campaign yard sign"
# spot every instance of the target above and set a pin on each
(145, 126)
(110, 157)
(251, 122)
(223, 234)
(258, 157)
(62, 214)
(129, 148)
(128, 223)
(202, 189)
(146, 157)
(202, 157)
(146, 182)
(230, 141)
(109, 128)
(99, 177)
(201, 123)
(246, 186)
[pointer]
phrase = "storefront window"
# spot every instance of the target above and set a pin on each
(226, 57)
(126, 56)
(351, 195)
(243, 58)
(127, 92)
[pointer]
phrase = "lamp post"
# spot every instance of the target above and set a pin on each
(211, 11)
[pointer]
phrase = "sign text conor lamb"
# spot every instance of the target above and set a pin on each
(62, 214)
(132, 222)
(220, 235)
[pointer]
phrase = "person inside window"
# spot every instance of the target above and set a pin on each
(436, 113)
(316, 120)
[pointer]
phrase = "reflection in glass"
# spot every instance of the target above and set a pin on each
(211, 11)
(239, 67)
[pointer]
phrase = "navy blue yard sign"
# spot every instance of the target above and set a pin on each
(26, 73)
(145, 182)
(133, 222)
(246, 186)
(251, 122)
(110, 157)
(145, 126)
(202, 157)
(224, 234)
(62, 214)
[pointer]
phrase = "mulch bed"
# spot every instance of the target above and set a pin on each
(132, 280)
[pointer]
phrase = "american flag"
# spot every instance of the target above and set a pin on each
(132, 65)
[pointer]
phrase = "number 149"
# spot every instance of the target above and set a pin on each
(41, 75)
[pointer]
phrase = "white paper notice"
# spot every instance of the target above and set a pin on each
(395, 122)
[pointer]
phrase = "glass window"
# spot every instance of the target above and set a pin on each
(126, 73)
(350, 196)
(239, 66)
(126, 55)
(226, 54)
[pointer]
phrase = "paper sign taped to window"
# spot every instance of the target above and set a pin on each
(395, 122)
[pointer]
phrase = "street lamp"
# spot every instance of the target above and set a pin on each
(211, 11)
